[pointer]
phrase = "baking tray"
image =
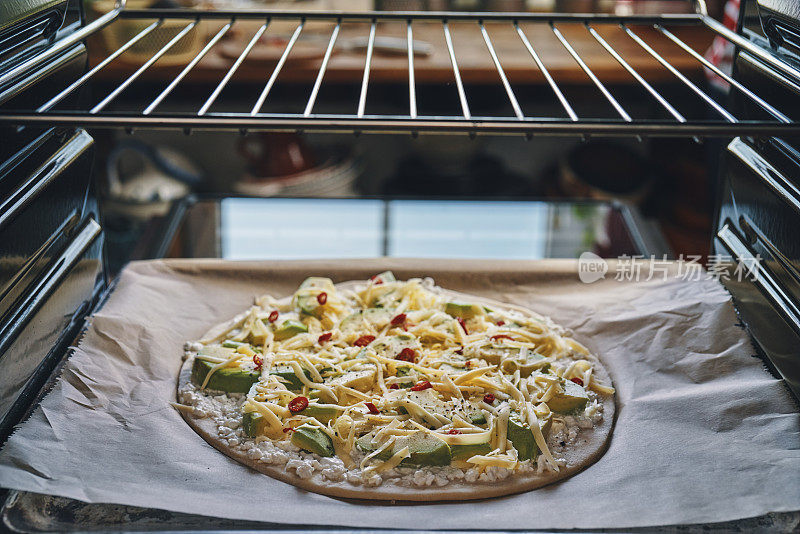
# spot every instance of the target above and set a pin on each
(32, 512)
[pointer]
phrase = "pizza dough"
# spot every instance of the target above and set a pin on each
(575, 440)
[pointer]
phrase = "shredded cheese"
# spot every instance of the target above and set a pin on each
(418, 371)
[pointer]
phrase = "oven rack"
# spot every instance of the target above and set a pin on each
(156, 114)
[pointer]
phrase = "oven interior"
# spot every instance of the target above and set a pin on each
(55, 264)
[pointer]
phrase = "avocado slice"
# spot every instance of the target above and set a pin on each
(217, 351)
(545, 424)
(477, 418)
(521, 436)
(465, 452)
(254, 424)
(431, 403)
(313, 439)
(308, 303)
(463, 310)
(289, 328)
(322, 412)
(384, 296)
(234, 344)
(532, 363)
(391, 346)
(365, 444)
(404, 371)
(423, 448)
(361, 380)
(377, 317)
(287, 373)
(570, 397)
(453, 368)
(494, 353)
(386, 276)
(227, 379)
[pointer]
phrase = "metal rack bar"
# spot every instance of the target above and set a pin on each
(590, 74)
(636, 75)
(699, 92)
(231, 71)
(362, 99)
(489, 125)
(277, 70)
(124, 85)
(790, 70)
(546, 73)
(318, 82)
(461, 94)
(716, 70)
(60, 46)
(510, 92)
(436, 16)
(188, 68)
(412, 90)
(80, 81)
(41, 72)
(616, 122)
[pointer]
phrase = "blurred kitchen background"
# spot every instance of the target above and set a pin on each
(626, 187)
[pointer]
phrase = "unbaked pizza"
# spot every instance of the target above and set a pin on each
(397, 390)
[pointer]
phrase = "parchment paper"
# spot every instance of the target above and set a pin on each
(703, 433)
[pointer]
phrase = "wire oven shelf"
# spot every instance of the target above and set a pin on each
(718, 120)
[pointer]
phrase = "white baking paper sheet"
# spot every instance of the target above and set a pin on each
(703, 432)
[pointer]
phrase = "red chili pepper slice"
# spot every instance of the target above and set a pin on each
(372, 408)
(322, 298)
(419, 386)
(502, 336)
(407, 355)
(273, 316)
(258, 361)
(378, 282)
(324, 337)
(460, 351)
(398, 319)
(577, 380)
(488, 398)
(468, 364)
(454, 431)
(298, 404)
(500, 322)
(287, 430)
(463, 325)
(394, 386)
(363, 341)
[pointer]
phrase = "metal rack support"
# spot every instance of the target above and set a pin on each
(231, 71)
(510, 92)
(188, 68)
(155, 57)
(323, 67)
(462, 96)
(277, 70)
(619, 122)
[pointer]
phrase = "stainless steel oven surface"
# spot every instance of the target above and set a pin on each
(75, 75)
